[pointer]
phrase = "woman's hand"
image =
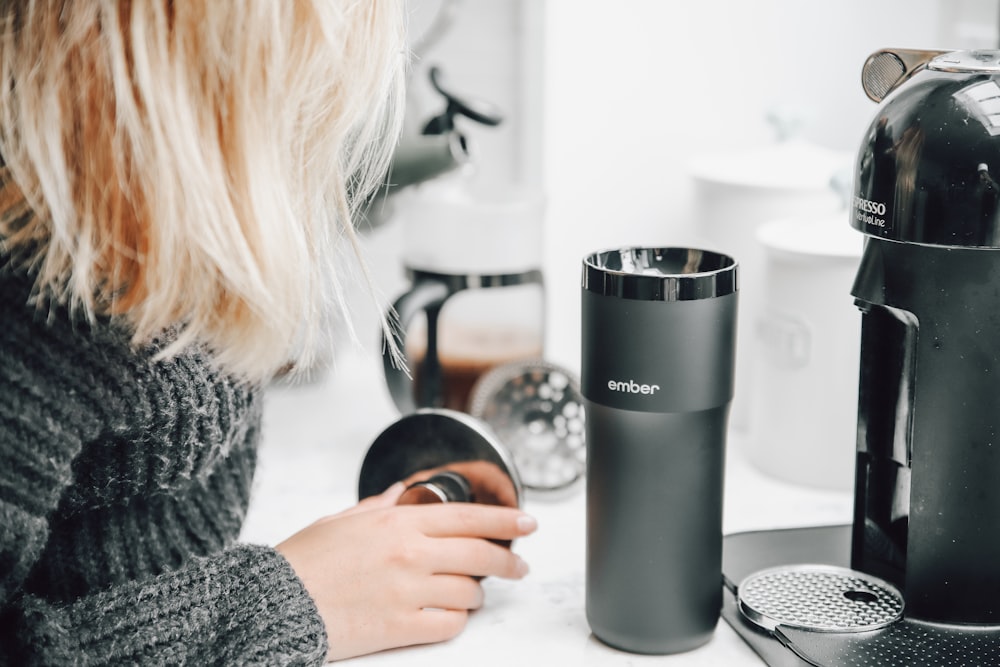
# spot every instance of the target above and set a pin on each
(386, 575)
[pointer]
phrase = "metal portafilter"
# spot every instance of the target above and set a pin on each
(442, 456)
(442, 487)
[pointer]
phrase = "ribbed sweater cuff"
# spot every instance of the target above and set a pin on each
(243, 606)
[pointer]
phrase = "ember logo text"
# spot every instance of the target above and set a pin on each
(632, 387)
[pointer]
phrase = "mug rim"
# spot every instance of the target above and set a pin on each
(718, 279)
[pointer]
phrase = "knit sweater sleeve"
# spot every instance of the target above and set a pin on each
(243, 606)
(42, 428)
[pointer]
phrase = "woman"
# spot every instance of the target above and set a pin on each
(175, 203)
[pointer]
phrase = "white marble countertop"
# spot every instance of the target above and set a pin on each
(315, 436)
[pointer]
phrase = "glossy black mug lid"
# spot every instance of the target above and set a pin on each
(660, 274)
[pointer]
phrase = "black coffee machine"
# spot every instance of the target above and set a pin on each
(927, 514)
(927, 491)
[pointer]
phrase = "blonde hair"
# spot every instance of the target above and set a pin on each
(195, 164)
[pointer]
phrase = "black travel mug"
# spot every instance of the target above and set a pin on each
(659, 338)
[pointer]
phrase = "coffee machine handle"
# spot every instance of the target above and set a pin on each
(887, 69)
(426, 295)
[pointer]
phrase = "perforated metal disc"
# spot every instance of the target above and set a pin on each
(819, 598)
(536, 409)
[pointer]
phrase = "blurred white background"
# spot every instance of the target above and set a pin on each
(608, 103)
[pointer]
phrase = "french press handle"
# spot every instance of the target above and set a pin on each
(427, 295)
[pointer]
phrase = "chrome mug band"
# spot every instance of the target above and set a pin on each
(660, 274)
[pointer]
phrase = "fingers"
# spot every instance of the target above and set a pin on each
(477, 558)
(387, 498)
(452, 591)
(443, 610)
(474, 520)
(445, 618)
(434, 625)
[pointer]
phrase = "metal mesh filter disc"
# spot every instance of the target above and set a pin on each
(536, 409)
(819, 598)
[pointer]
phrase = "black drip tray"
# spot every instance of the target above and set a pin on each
(905, 643)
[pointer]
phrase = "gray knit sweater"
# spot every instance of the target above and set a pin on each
(123, 485)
